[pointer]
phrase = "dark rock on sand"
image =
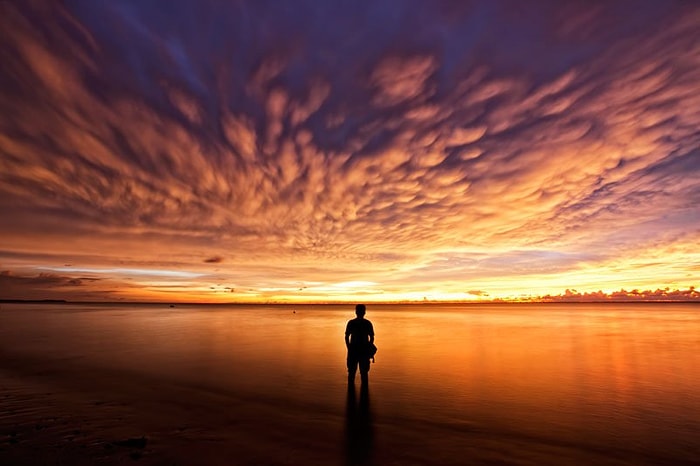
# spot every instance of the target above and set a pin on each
(134, 442)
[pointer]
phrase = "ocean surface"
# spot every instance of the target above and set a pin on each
(452, 384)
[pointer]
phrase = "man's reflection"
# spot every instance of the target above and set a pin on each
(358, 429)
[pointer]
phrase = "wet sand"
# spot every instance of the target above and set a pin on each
(115, 422)
(81, 420)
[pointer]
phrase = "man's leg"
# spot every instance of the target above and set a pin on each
(364, 370)
(352, 368)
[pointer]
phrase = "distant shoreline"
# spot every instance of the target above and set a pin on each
(387, 303)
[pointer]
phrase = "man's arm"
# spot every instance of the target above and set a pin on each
(371, 333)
(347, 334)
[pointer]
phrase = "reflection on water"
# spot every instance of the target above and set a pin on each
(359, 430)
(612, 384)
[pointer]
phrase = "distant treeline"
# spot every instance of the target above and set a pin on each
(34, 301)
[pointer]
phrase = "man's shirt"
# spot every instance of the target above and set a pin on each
(360, 330)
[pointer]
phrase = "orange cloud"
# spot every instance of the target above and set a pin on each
(426, 158)
(623, 295)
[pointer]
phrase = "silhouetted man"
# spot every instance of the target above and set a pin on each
(359, 336)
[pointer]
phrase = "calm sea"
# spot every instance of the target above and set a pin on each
(452, 384)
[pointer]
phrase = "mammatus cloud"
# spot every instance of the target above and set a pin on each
(390, 149)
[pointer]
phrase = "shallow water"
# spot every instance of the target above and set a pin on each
(452, 384)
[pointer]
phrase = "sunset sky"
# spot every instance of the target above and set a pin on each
(365, 150)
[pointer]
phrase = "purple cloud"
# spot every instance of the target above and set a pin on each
(383, 133)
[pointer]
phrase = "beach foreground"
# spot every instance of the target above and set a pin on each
(176, 426)
(44, 424)
(245, 386)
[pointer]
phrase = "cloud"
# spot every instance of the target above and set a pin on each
(337, 140)
(662, 295)
(52, 286)
(214, 260)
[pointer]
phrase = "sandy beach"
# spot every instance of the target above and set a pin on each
(43, 425)
(115, 422)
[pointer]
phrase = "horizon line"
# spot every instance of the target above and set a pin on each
(341, 303)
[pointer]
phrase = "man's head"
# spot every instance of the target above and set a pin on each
(360, 310)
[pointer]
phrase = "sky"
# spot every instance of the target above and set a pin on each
(364, 150)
